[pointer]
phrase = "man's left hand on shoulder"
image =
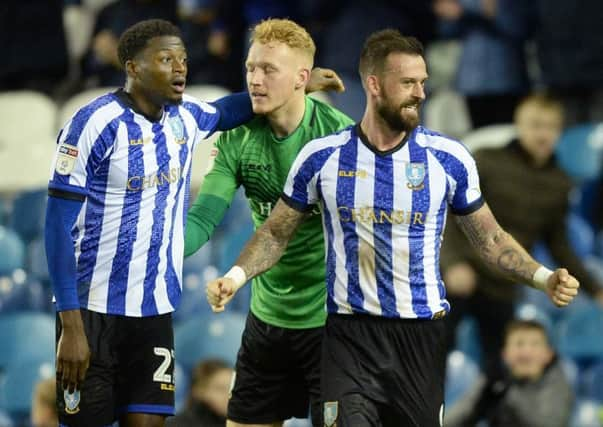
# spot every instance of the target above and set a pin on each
(324, 79)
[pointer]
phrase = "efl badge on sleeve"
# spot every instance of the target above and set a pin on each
(177, 129)
(72, 401)
(330, 413)
(415, 174)
(66, 158)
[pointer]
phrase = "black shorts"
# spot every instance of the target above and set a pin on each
(383, 372)
(131, 370)
(277, 375)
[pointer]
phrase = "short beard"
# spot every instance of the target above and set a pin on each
(394, 118)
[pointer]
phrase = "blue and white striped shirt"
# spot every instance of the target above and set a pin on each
(134, 174)
(383, 217)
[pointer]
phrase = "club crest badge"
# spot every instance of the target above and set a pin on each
(177, 129)
(330, 413)
(415, 174)
(72, 401)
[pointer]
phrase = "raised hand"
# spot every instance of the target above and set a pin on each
(562, 287)
(219, 293)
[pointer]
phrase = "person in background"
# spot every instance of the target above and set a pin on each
(533, 392)
(43, 404)
(208, 397)
(526, 166)
(492, 72)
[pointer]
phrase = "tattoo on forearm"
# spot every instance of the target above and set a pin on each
(270, 241)
(512, 262)
(497, 247)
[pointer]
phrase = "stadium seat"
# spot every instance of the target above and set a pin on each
(580, 235)
(442, 57)
(36, 260)
(26, 337)
(584, 198)
(580, 151)
(492, 136)
(182, 387)
(28, 135)
(12, 251)
(5, 420)
(579, 333)
(4, 210)
(571, 371)
(446, 112)
(193, 301)
(467, 339)
(27, 116)
(208, 336)
(593, 382)
(200, 260)
(202, 160)
(461, 374)
(587, 413)
(77, 101)
(28, 214)
(20, 293)
(19, 381)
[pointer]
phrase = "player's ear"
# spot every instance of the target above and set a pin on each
(303, 77)
(131, 68)
(372, 84)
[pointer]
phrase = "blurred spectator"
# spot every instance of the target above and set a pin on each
(492, 73)
(229, 37)
(33, 41)
(44, 404)
(569, 40)
(347, 24)
(533, 392)
(208, 399)
(206, 66)
(528, 194)
(100, 63)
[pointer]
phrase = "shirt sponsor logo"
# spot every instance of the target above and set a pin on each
(380, 216)
(139, 183)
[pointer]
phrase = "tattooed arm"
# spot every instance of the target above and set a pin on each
(267, 245)
(503, 254)
(263, 250)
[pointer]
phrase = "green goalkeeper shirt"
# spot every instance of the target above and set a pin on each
(292, 293)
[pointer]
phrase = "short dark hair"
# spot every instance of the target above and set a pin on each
(135, 38)
(380, 44)
(525, 325)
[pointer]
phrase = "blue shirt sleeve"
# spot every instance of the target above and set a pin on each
(62, 211)
(234, 110)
